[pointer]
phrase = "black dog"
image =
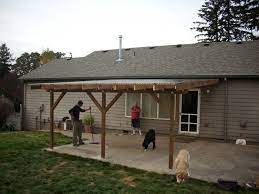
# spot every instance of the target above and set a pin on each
(149, 137)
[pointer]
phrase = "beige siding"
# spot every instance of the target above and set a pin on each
(243, 106)
(212, 112)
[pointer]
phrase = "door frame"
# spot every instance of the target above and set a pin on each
(198, 114)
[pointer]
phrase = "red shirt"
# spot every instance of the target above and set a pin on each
(135, 112)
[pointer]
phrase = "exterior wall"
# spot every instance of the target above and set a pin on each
(243, 100)
(243, 106)
(212, 112)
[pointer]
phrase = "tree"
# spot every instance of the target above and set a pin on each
(250, 17)
(209, 27)
(5, 111)
(11, 86)
(228, 20)
(26, 63)
(48, 55)
(5, 59)
(30, 61)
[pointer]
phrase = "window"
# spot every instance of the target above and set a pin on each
(131, 99)
(149, 107)
(164, 105)
(189, 112)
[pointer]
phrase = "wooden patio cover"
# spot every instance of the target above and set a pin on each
(172, 86)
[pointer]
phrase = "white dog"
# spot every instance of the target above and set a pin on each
(182, 163)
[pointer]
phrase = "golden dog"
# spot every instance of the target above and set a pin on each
(182, 163)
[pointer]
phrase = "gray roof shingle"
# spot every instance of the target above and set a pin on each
(188, 61)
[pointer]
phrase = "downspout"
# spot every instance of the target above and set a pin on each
(226, 110)
(23, 106)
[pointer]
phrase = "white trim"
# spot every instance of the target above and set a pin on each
(189, 123)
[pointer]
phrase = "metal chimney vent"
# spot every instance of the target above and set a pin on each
(120, 49)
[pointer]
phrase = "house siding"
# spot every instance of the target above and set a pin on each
(243, 106)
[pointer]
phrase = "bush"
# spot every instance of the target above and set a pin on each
(88, 119)
(6, 127)
(5, 111)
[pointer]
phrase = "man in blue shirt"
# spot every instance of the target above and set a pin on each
(77, 128)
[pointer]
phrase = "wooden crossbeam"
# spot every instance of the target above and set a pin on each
(95, 101)
(113, 101)
(58, 100)
(154, 96)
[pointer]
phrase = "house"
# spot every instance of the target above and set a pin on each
(223, 109)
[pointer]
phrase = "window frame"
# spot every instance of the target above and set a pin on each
(150, 118)
(189, 123)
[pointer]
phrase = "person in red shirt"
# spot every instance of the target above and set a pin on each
(135, 122)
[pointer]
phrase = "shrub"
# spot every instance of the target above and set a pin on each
(88, 119)
(6, 127)
(5, 111)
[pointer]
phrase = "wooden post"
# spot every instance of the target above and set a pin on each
(103, 124)
(171, 131)
(51, 118)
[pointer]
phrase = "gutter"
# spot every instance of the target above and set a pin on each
(65, 79)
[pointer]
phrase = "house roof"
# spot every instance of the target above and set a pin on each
(200, 60)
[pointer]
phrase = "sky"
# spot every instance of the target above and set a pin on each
(83, 26)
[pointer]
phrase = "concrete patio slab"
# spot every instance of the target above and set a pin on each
(209, 160)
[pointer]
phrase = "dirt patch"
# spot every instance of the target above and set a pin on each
(129, 180)
(56, 167)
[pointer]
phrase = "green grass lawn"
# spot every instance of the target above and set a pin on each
(26, 168)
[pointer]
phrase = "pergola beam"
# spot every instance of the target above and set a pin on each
(89, 86)
(195, 84)
(119, 87)
(142, 87)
